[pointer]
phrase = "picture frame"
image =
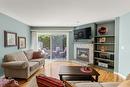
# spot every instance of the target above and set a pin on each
(21, 42)
(10, 39)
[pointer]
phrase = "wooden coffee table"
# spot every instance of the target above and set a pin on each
(73, 73)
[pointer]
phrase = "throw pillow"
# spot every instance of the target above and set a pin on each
(8, 83)
(125, 83)
(45, 81)
(37, 54)
(29, 54)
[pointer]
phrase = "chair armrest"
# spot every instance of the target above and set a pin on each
(15, 65)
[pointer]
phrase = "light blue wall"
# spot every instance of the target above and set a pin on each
(124, 44)
(12, 25)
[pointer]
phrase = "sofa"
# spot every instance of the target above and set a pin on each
(21, 64)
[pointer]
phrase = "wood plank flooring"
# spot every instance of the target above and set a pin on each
(52, 69)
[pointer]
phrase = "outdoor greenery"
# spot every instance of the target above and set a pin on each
(58, 40)
(45, 39)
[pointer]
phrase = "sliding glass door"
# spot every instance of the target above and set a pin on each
(53, 46)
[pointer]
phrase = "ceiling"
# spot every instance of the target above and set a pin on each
(63, 12)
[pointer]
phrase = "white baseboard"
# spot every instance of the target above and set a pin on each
(124, 77)
(2, 76)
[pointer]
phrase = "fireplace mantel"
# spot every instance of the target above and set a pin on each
(82, 45)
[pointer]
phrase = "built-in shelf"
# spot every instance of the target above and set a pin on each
(104, 46)
(108, 69)
(109, 52)
(105, 43)
(105, 36)
(104, 59)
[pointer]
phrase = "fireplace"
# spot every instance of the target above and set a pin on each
(83, 54)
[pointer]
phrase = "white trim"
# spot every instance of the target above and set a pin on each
(50, 46)
(2, 76)
(67, 45)
(122, 76)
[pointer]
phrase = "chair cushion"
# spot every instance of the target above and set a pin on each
(75, 82)
(29, 54)
(33, 65)
(91, 84)
(40, 60)
(44, 81)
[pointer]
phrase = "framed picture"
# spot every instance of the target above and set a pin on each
(21, 42)
(10, 39)
(102, 39)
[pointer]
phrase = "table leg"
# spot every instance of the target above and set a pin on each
(61, 77)
(96, 79)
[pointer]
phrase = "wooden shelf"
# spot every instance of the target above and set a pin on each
(103, 59)
(105, 36)
(108, 69)
(109, 52)
(105, 43)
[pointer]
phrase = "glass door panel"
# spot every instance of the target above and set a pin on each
(58, 46)
(44, 45)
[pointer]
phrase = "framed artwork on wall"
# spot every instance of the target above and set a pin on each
(10, 39)
(21, 42)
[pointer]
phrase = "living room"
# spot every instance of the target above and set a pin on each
(106, 43)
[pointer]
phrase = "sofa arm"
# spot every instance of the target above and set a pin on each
(15, 65)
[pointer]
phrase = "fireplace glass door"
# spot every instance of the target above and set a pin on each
(83, 54)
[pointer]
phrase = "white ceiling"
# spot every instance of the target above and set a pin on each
(63, 12)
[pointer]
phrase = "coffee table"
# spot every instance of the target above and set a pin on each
(73, 73)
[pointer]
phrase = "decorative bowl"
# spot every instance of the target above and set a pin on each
(86, 69)
(102, 30)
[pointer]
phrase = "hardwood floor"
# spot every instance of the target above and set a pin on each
(52, 69)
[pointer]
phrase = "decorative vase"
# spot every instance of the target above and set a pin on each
(102, 30)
